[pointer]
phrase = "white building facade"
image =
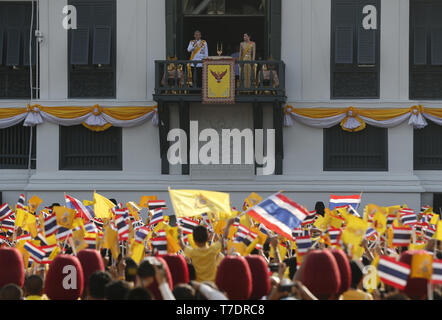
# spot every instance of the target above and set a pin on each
(306, 48)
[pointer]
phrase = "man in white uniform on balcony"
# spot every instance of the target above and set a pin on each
(199, 51)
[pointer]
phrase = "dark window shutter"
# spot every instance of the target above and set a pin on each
(83, 149)
(344, 44)
(436, 46)
(275, 29)
(171, 27)
(102, 45)
(13, 47)
(366, 150)
(367, 47)
(420, 45)
(1, 47)
(26, 48)
(80, 46)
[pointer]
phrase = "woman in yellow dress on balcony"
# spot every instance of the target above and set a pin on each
(247, 53)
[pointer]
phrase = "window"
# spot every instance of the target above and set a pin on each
(14, 147)
(15, 22)
(92, 50)
(83, 149)
(355, 54)
(366, 150)
(428, 147)
(425, 49)
(229, 7)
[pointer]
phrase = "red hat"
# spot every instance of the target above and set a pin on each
(260, 276)
(178, 268)
(91, 261)
(416, 288)
(154, 285)
(344, 269)
(321, 274)
(234, 277)
(64, 280)
(12, 269)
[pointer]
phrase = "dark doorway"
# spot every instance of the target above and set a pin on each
(228, 30)
(261, 18)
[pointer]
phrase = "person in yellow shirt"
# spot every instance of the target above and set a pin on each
(34, 288)
(355, 292)
(204, 257)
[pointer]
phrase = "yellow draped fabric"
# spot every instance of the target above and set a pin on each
(380, 117)
(119, 114)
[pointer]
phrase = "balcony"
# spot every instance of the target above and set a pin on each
(173, 81)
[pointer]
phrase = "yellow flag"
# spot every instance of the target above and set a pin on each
(144, 200)
(31, 225)
(102, 206)
(355, 231)
(88, 203)
(421, 266)
(34, 202)
(191, 203)
(65, 216)
(54, 253)
(137, 250)
(134, 209)
(78, 239)
(252, 200)
(51, 240)
(357, 252)
(438, 234)
(434, 219)
(20, 218)
(111, 241)
(379, 222)
(321, 223)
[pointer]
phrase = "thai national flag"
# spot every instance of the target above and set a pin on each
(157, 204)
(91, 242)
(437, 272)
(91, 228)
(48, 251)
(279, 213)
(188, 225)
(303, 244)
(370, 234)
(298, 232)
(123, 227)
(157, 217)
(99, 223)
(335, 235)
(159, 244)
(76, 204)
(24, 237)
(35, 252)
(408, 217)
(50, 225)
(5, 212)
(390, 219)
(236, 222)
(21, 202)
(401, 236)
(342, 201)
(393, 273)
(264, 230)
(207, 221)
(63, 234)
(141, 234)
(429, 232)
(137, 224)
(8, 224)
(310, 219)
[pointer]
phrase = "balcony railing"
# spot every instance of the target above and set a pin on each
(255, 80)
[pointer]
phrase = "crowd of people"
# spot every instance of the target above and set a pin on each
(211, 267)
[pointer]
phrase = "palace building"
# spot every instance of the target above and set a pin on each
(90, 89)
